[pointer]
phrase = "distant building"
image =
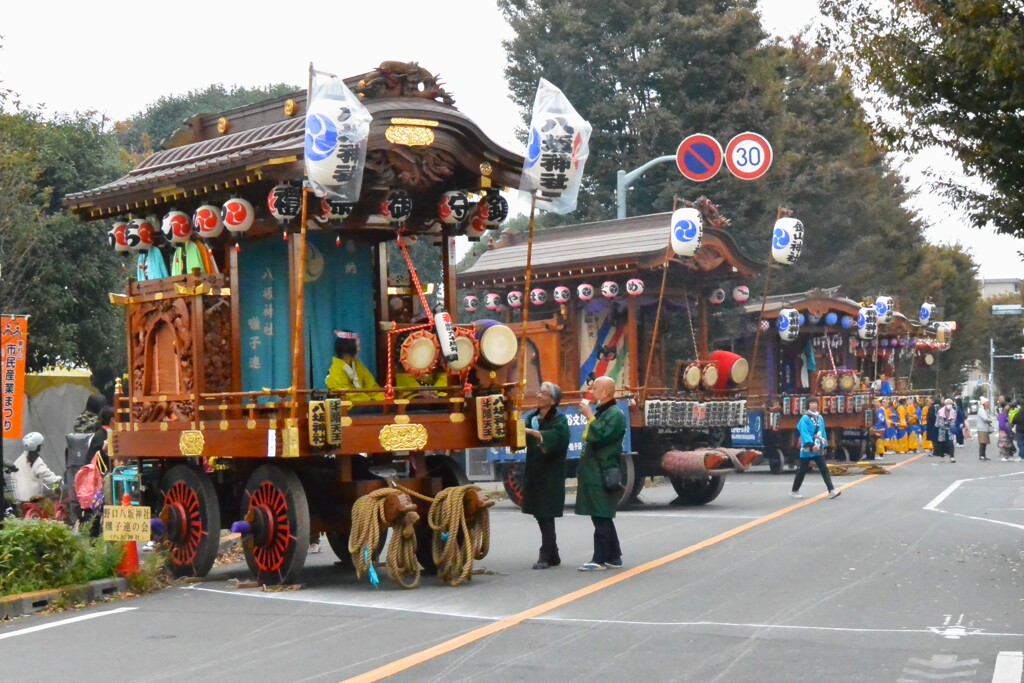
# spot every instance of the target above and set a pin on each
(999, 286)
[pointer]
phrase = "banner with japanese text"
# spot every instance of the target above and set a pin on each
(12, 352)
(337, 132)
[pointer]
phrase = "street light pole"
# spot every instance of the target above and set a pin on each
(623, 180)
(991, 365)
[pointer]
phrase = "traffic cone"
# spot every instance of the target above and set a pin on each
(129, 564)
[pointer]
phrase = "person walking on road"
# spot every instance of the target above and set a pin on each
(602, 452)
(1016, 420)
(945, 423)
(813, 440)
(1005, 439)
(931, 429)
(547, 441)
(984, 428)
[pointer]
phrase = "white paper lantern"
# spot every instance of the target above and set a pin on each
(585, 292)
(787, 241)
(561, 294)
(396, 206)
(927, 312)
(453, 207)
(470, 303)
(687, 230)
(332, 210)
(867, 322)
(886, 308)
(740, 294)
(515, 299)
(284, 201)
(141, 233)
(207, 223)
(788, 324)
(634, 286)
(238, 215)
(538, 297)
(609, 289)
(492, 301)
(176, 227)
(117, 237)
(717, 296)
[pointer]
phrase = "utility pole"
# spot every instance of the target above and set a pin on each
(623, 180)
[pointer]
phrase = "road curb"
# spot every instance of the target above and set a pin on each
(12, 606)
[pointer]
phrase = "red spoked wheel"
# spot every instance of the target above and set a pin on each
(191, 515)
(512, 479)
(274, 504)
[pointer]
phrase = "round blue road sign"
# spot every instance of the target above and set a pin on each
(699, 157)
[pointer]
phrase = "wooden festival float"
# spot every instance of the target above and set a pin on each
(229, 341)
(819, 344)
(601, 300)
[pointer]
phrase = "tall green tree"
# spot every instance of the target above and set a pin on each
(1007, 339)
(945, 74)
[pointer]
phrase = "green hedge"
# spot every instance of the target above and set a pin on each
(43, 554)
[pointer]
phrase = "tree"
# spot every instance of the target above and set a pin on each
(945, 74)
(1006, 336)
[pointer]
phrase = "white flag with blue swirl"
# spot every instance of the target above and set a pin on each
(337, 129)
(556, 151)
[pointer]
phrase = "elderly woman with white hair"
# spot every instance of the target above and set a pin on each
(983, 427)
(945, 422)
(547, 442)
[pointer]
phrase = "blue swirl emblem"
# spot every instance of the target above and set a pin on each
(685, 230)
(533, 148)
(780, 240)
(881, 307)
(925, 313)
(861, 322)
(783, 323)
(321, 137)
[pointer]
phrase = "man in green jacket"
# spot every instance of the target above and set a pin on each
(547, 441)
(602, 451)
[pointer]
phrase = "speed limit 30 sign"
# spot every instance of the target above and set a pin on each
(748, 156)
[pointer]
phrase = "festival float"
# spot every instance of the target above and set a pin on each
(841, 352)
(257, 237)
(597, 299)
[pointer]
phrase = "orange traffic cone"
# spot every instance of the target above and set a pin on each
(130, 559)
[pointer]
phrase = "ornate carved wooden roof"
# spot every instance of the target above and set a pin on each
(235, 148)
(637, 243)
(819, 302)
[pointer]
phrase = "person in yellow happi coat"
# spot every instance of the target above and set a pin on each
(922, 420)
(890, 425)
(901, 425)
(913, 425)
(348, 373)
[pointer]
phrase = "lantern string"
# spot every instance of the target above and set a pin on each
(414, 276)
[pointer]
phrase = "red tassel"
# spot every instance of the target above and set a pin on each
(237, 248)
(285, 237)
(337, 241)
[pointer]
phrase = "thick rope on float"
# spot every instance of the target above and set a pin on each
(457, 542)
(368, 519)
(693, 464)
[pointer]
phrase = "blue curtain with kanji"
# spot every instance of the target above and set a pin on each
(339, 294)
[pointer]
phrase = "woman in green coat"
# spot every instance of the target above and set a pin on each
(547, 440)
(602, 451)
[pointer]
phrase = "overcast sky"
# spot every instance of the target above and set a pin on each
(117, 57)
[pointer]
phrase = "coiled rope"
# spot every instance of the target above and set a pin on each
(456, 542)
(368, 519)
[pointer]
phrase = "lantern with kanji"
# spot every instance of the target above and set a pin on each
(927, 312)
(788, 324)
(515, 299)
(609, 289)
(561, 294)
(333, 210)
(787, 241)
(396, 206)
(453, 207)
(717, 296)
(886, 308)
(140, 233)
(634, 286)
(867, 322)
(492, 301)
(687, 229)
(285, 201)
(585, 292)
(740, 294)
(207, 223)
(176, 227)
(470, 303)
(117, 237)
(490, 211)
(538, 297)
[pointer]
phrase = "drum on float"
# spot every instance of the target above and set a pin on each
(848, 382)
(733, 368)
(691, 376)
(498, 344)
(709, 377)
(419, 353)
(468, 350)
(828, 382)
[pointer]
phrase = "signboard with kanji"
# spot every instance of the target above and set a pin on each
(126, 523)
(12, 360)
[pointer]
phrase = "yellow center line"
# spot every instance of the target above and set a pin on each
(508, 622)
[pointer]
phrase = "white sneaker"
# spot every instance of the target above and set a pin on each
(795, 494)
(1005, 459)
(149, 547)
(952, 459)
(314, 548)
(834, 493)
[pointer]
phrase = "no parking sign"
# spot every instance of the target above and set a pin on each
(748, 156)
(699, 157)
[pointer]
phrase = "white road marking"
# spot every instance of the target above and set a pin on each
(64, 622)
(1009, 668)
(933, 506)
(298, 596)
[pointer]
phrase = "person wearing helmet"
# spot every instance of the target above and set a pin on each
(32, 477)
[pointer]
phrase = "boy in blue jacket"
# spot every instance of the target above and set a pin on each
(813, 441)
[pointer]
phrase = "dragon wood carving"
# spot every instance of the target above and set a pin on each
(418, 168)
(402, 79)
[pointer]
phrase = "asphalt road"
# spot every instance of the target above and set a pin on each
(914, 576)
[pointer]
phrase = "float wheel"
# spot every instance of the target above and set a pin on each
(191, 515)
(512, 480)
(697, 491)
(274, 504)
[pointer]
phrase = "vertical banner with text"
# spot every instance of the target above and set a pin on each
(12, 359)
